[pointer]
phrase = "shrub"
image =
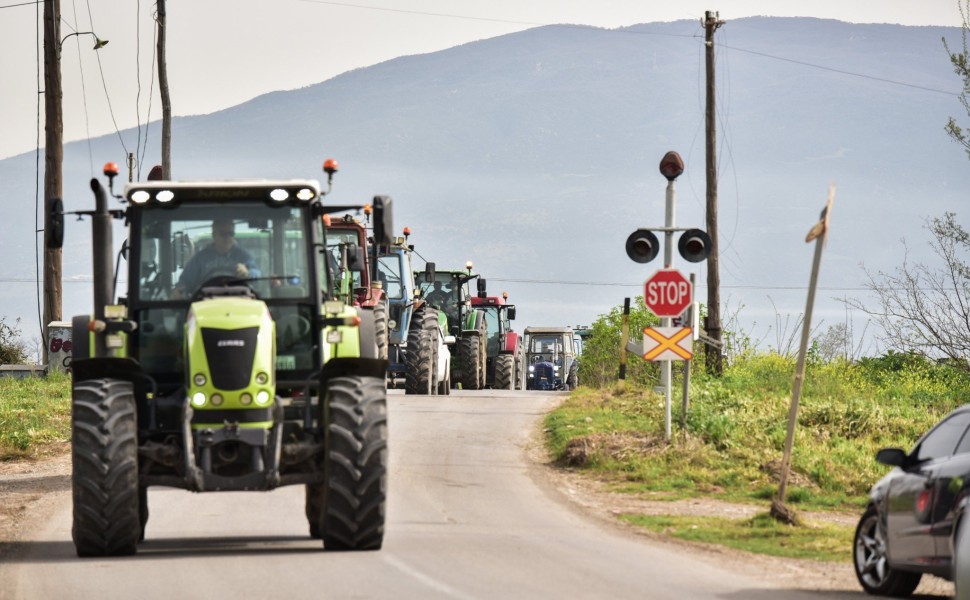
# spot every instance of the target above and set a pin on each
(12, 348)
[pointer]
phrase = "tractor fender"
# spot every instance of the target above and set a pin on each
(473, 322)
(82, 338)
(511, 343)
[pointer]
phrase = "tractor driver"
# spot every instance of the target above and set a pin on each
(438, 297)
(222, 257)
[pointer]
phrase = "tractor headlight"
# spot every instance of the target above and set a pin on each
(216, 400)
(262, 378)
(246, 399)
(262, 397)
(556, 368)
(532, 369)
(198, 399)
(199, 379)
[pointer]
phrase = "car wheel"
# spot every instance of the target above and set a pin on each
(871, 560)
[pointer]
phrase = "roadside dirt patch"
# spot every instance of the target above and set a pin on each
(28, 488)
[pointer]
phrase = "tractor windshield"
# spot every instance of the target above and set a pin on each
(337, 240)
(182, 249)
(174, 252)
(547, 347)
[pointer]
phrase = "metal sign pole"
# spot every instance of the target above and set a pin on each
(666, 377)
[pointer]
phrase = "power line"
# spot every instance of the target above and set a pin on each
(23, 4)
(840, 71)
(485, 19)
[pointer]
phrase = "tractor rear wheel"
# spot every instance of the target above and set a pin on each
(572, 381)
(104, 481)
(504, 372)
(380, 328)
(351, 507)
(419, 356)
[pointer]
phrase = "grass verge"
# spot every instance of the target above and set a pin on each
(730, 444)
(760, 534)
(35, 415)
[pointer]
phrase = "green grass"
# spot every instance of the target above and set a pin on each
(732, 445)
(35, 415)
(760, 534)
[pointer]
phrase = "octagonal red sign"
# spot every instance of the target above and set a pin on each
(667, 293)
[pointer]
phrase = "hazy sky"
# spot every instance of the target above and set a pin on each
(224, 52)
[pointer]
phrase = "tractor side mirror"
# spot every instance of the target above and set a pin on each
(355, 258)
(481, 288)
(429, 269)
(55, 220)
(383, 221)
(511, 313)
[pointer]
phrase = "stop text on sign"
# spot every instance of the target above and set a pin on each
(667, 293)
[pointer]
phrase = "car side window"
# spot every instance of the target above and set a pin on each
(942, 440)
(964, 446)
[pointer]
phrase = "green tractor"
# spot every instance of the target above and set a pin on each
(222, 366)
(450, 292)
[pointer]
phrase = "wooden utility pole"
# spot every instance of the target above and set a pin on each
(53, 158)
(163, 90)
(713, 324)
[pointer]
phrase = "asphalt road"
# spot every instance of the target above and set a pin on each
(467, 518)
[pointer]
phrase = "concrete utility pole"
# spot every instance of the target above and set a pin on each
(163, 90)
(53, 158)
(713, 324)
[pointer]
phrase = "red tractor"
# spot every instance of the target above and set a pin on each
(352, 265)
(505, 365)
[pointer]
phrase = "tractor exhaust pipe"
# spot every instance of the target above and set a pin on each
(102, 247)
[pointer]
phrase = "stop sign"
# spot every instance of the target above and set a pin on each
(667, 293)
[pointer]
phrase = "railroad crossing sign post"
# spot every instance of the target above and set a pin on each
(667, 293)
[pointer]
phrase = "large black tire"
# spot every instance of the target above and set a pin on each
(504, 372)
(380, 328)
(316, 502)
(572, 380)
(142, 510)
(871, 560)
(104, 458)
(470, 351)
(352, 509)
(419, 355)
(483, 367)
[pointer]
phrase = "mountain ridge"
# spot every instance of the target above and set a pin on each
(535, 154)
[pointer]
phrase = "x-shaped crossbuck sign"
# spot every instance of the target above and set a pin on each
(667, 343)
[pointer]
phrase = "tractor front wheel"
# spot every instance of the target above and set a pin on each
(418, 376)
(470, 351)
(353, 502)
(104, 457)
(504, 372)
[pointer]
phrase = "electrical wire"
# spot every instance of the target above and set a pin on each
(37, 229)
(151, 93)
(84, 91)
(138, 82)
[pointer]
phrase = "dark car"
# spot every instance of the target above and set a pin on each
(914, 513)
